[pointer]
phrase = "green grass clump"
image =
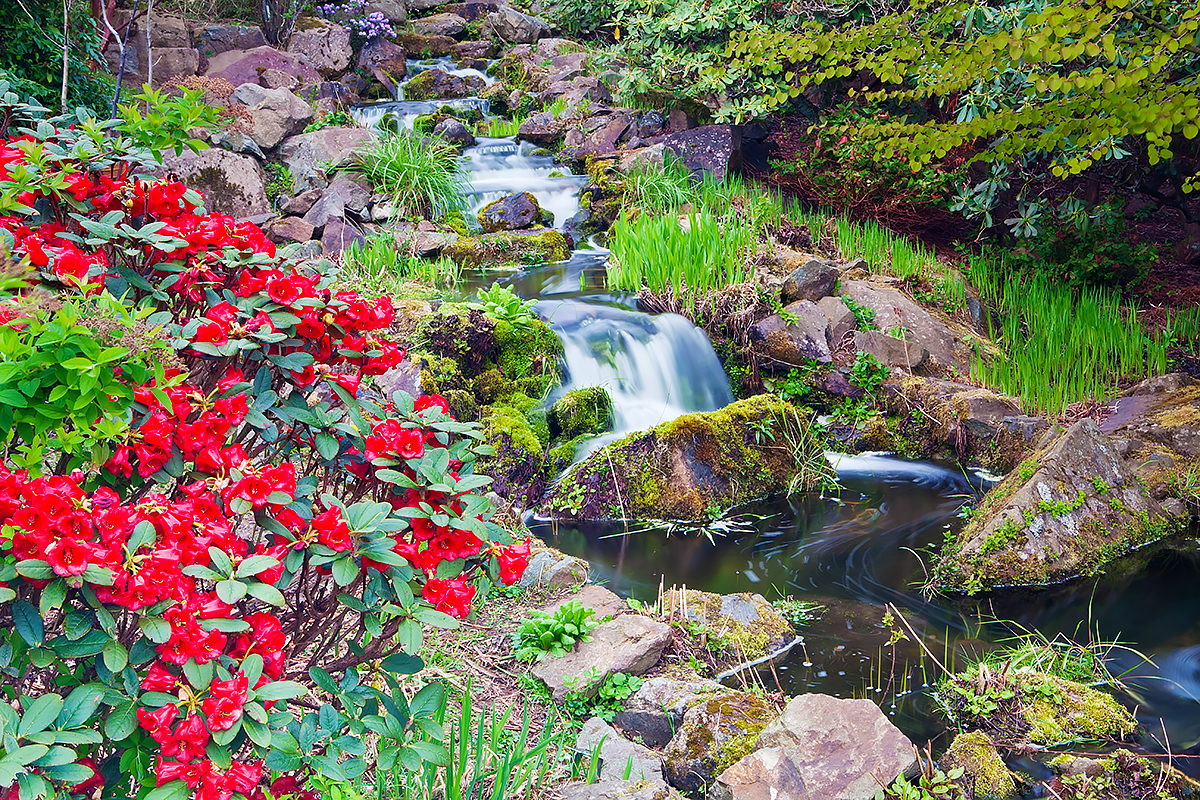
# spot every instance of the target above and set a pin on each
(1060, 345)
(419, 175)
(659, 187)
(497, 127)
(657, 252)
(382, 265)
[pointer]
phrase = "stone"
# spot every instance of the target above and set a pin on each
(604, 140)
(715, 733)
(477, 49)
(274, 114)
(820, 748)
(712, 149)
(289, 229)
(553, 47)
(510, 213)
(394, 10)
(221, 37)
(749, 625)
(812, 279)
(618, 790)
(619, 757)
(231, 183)
(454, 132)
(594, 596)
(425, 5)
(554, 569)
(385, 60)
(688, 468)
(1073, 505)
(173, 63)
(542, 128)
(343, 194)
(655, 711)
(629, 643)
(436, 84)
(1162, 411)
(654, 155)
(511, 248)
(429, 244)
(841, 319)
(979, 760)
(339, 235)
(169, 32)
(278, 79)
(247, 66)
(325, 44)
(574, 92)
(306, 153)
(417, 45)
(791, 339)
(894, 309)
(891, 351)
(301, 203)
(237, 141)
(511, 26)
(438, 25)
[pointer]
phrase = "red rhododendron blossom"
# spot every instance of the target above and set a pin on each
(451, 597)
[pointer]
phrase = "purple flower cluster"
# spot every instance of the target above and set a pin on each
(353, 16)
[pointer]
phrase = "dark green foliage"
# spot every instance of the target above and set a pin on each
(607, 702)
(31, 55)
(1100, 254)
(867, 372)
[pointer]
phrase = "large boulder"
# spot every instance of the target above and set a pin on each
(511, 26)
(231, 183)
(434, 84)
(325, 44)
(619, 758)
(510, 213)
(427, 46)
(552, 568)
(247, 66)
(819, 749)
(510, 248)
(305, 154)
(274, 114)
(395, 11)
(1163, 411)
(715, 733)
(892, 351)
(439, 25)
(744, 626)
(629, 643)
(981, 763)
(691, 467)
(794, 337)
(715, 149)
(655, 711)
(944, 340)
(1073, 505)
(808, 279)
(617, 789)
(542, 128)
(455, 132)
(219, 37)
(173, 63)
(384, 59)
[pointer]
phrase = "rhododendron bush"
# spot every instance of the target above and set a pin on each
(220, 545)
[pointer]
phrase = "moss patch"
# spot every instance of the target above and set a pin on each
(510, 248)
(975, 754)
(582, 411)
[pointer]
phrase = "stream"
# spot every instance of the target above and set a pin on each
(852, 551)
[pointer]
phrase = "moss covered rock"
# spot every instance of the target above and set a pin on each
(517, 468)
(582, 411)
(510, 248)
(740, 627)
(979, 760)
(694, 467)
(715, 733)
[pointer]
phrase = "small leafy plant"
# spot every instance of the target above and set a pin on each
(609, 699)
(936, 785)
(868, 372)
(545, 634)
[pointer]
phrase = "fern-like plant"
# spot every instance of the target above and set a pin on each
(554, 634)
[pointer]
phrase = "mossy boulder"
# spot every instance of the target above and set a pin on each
(694, 467)
(522, 353)
(581, 411)
(1070, 508)
(741, 628)
(517, 467)
(510, 248)
(979, 760)
(1027, 705)
(436, 84)
(715, 733)
(1118, 776)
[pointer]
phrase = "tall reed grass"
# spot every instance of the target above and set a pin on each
(381, 265)
(421, 176)
(1061, 346)
(661, 253)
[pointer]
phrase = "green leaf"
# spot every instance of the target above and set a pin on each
(115, 655)
(345, 570)
(280, 690)
(267, 593)
(175, 790)
(121, 722)
(28, 622)
(156, 629)
(231, 591)
(254, 565)
(402, 664)
(80, 705)
(42, 711)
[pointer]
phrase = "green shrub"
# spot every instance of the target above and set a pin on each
(868, 373)
(503, 304)
(607, 702)
(420, 176)
(545, 634)
(31, 60)
(1100, 254)
(160, 124)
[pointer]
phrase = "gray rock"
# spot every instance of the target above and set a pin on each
(435, 84)
(222, 37)
(619, 790)
(715, 149)
(425, 5)
(541, 128)
(384, 59)
(343, 194)
(821, 748)
(305, 153)
(339, 235)
(619, 758)
(301, 203)
(231, 183)
(238, 142)
(278, 79)
(655, 711)
(604, 603)
(891, 351)
(714, 730)
(510, 25)
(169, 32)
(630, 643)
(574, 92)
(173, 63)
(394, 10)
(894, 309)
(793, 339)
(604, 140)
(325, 44)
(289, 229)
(747, 621)
(429, 244)
(510, 213)
(274, 114)
(549, 567)
(455, 132)
(247, 66)
(841, 319)
(811, 280)
(439, 25)
(653, 156)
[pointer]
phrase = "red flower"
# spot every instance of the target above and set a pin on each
(159, 679)
(427, 401)
(332, 530)
(223, 706)
(158, 723)
(451, 597)
(68, 556)
(188, 741)
(513, 560)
